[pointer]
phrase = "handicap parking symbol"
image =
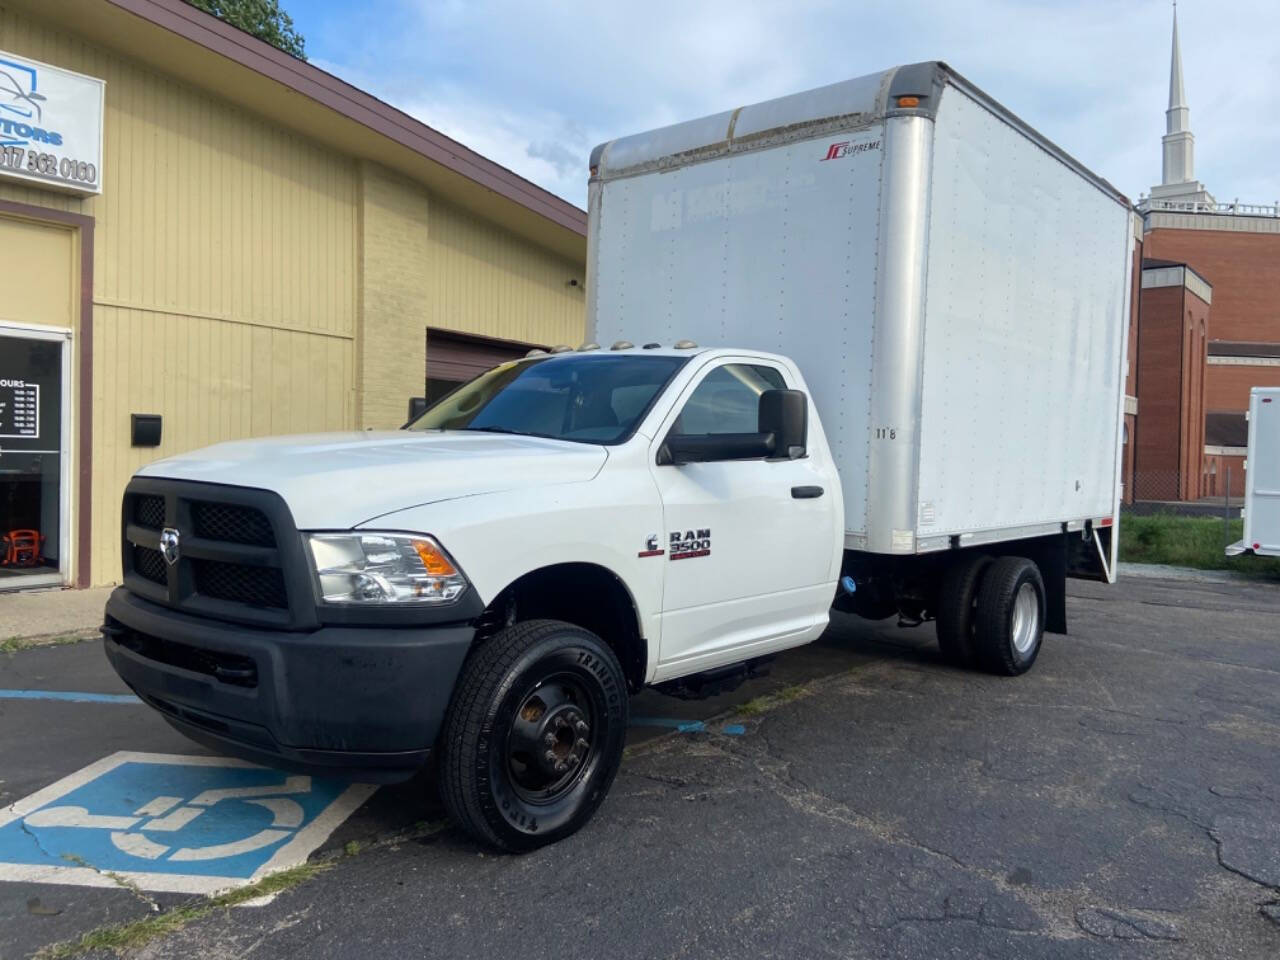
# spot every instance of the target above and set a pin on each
(171, 823)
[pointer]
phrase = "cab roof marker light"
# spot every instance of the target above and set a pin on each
(622, 345)
(684, 345)
(562, 348)
(652, 346)
(588, 347)
(536, 352)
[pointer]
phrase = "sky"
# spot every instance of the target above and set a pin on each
(535, 85)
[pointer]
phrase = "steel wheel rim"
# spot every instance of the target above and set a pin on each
(552, 738)
(1026, 618)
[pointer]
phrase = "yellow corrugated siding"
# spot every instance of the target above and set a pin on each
(249, 282)
(224, 271)
(205, 210)
(236, 381)
(487, 281)
(425, 263)
(38, 263)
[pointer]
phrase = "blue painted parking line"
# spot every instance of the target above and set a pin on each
(171, 823)
(680, 726)
(686, 726)
(71, 696)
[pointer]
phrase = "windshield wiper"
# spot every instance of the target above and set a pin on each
(496, 429)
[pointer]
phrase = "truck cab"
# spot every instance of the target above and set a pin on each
(494, 578)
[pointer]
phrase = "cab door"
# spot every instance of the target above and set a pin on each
(750, 557)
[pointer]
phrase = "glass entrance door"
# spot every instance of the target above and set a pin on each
(33, 477)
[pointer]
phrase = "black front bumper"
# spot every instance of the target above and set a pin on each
(361, 702)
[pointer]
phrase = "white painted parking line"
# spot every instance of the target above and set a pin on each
(171, 823)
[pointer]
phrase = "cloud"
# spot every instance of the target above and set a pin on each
(536, 86)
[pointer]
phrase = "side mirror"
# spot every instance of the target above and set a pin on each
(784, 414)
(417, 407)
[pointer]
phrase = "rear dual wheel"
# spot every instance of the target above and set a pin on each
(991, 612)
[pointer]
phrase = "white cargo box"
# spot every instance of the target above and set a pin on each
(954, 288)
(1262, 476)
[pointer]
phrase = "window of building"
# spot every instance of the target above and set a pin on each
(32, 471)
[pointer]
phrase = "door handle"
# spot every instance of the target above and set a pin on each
(806, 493)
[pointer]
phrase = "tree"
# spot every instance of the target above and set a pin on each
(262, 18)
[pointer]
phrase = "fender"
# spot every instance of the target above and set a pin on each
(607, 522)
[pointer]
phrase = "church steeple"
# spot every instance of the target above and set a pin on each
(1178, 186)
(1177, 96)
(1179, 142)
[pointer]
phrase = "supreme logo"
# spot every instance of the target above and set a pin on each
(847, 148)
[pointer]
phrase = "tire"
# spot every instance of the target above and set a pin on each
(502, 780)
(1010, 616)
(957, 615)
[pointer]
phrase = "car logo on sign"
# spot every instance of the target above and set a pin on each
(169, 545)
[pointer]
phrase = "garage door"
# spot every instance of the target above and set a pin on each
(453, 359)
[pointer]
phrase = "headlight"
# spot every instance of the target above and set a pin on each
(383, 568)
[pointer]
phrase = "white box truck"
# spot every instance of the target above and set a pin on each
(907, 401)
(954, 287)
(1261, 477)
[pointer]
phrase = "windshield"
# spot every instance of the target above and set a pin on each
(590, 398)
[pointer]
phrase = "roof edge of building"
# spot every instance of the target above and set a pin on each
(1174, 273)
(300, 79)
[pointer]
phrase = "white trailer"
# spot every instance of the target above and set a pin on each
(1262, 477)
(954, 286)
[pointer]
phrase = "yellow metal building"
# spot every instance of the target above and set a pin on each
(270, 252)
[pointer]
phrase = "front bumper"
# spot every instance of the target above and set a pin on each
(362, 702)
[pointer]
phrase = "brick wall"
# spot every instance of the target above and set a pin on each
(1127, 457)
(1244, 269)
(1135, 302)
(1218, 470)
(426, 263)
(1171, 384)
(1159, 384)
(1228, 385)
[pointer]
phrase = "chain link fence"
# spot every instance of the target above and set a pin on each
(1217, 497)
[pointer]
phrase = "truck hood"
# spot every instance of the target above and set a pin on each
(340, 480)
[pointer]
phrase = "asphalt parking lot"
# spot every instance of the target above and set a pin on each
(864, 800)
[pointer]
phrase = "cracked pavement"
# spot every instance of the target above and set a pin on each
(1122, 800)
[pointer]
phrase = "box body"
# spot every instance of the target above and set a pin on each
(954, 288)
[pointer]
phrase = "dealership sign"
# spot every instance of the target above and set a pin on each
(50, 125)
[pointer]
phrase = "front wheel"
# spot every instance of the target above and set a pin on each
(534, 735)
(1010, 616)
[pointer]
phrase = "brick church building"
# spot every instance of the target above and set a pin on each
(1208, 323)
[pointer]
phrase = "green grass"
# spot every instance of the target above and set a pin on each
(14, 644)
(770, 701)
(1197, 542)
(131, 936)
(128, 937)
